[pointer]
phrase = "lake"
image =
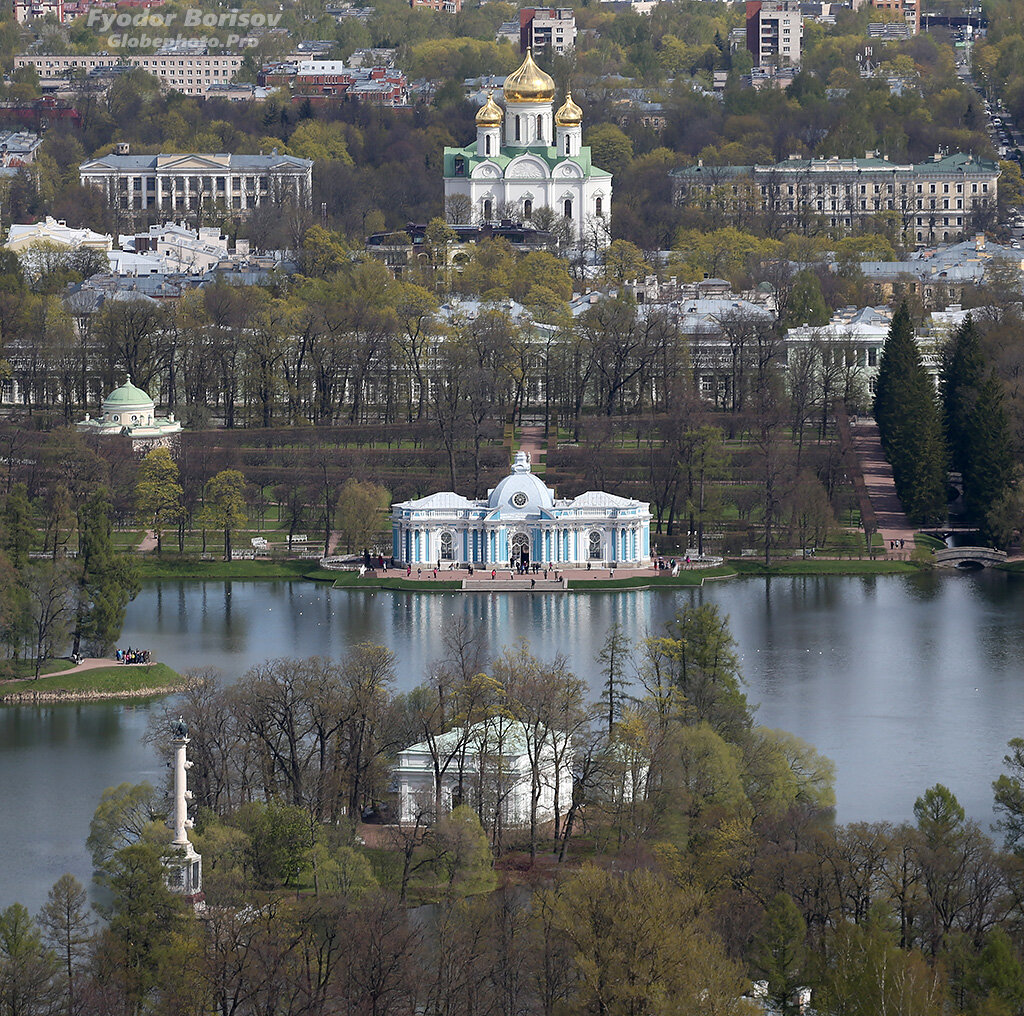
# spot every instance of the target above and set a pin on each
(904, 681)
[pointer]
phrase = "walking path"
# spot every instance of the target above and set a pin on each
(892, 523)
(531, 441)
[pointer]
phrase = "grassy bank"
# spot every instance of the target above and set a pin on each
(152, 567)
(101, 683)
(819, 566)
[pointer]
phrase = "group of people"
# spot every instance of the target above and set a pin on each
(896, 544)
(130, 655)
(670, 565)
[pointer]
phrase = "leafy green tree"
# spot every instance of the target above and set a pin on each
(158, 492)
(1009, 797)
(909, 425)
(125, 815)
(779, 950)
(360, 513)
(279, 842)
(18, 532)
(806, 304)
(462, 851)
(610, 147)
(224, 505)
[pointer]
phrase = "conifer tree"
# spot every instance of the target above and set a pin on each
(988, 464)
(909, 425)
(963, 372)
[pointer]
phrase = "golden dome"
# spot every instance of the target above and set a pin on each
(570, 115)
(489, 114)
(529, 83)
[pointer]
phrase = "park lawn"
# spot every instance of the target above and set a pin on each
(656, 580)
(27, 668)
(351, 580)
(928, 542)
(152, 567)
(103, 680)
(825, 566)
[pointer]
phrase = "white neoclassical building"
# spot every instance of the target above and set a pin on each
(488, 767)
(522, 522)
(129, 410)
(529, 157)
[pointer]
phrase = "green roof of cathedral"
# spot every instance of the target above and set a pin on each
(550, 156)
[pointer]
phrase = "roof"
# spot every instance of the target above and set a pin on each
(127, 395)
(169, 162)
(954, 164)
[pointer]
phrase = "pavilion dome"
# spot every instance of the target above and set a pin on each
(529, 83)
(521, 491)
(128, 398)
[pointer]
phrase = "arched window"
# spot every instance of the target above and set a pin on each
(594, 546)
(527, 209)
(567, 208)
(447, 547)
(567, 143)
(599, 207)
(540, 128)
(488, 210)
(518, 128)
(487, 144)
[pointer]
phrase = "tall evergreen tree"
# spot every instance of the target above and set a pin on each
(908, 421)
(988, 463)
(962, 375)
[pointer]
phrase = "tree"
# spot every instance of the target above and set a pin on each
(909, 425)
(361, 505)
(461, 850)
(28, 985)
(68, 928)
(107, 581)
(51, 606)
(806, 304)
(1009, 797)
(158, 493)
(988, 470)
(610, 148)
(125, 815)
(779, 949)
(962, 374)
(613, 657)
(224, 505)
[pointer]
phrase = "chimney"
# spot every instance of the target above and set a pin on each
(979, 242)
(123, 148)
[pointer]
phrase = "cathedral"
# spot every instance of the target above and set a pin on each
(528, 157)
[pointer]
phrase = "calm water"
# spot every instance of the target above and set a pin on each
(903, 681)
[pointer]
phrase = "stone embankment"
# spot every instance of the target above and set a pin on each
(38, 698)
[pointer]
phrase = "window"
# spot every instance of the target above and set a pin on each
(488, 209)
(567, 144)
(567, 208)
(527, 209)
(540, 128)
(594, 546)
(599, 207)
(518, 128)
(487, 145)
(447, 547)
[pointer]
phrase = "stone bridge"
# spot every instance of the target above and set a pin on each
(967, 557)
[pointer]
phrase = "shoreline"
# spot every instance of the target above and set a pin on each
(578, 580)
(97, 684)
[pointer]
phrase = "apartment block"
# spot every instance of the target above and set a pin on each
(775, 30)
(547, 29)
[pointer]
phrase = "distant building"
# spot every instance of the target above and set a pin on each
(21, 236)
(775, 31)
(487, 766)
(192, 73)
(18, 148)
(334, 81)
(944, 198)
(406, 249)
(29, 10)
(551, 29)
(441, 6)
(185, 181)
(908, 11)
(528, 156)
(130, 411)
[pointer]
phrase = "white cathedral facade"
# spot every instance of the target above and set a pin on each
(529, 157)
(521, 522)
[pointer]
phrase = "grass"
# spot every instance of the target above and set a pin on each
(103, 682)
(192, 568)
(928, 542)
(27, 668)
(820, 566)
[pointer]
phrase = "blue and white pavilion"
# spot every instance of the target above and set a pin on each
(521, 521)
